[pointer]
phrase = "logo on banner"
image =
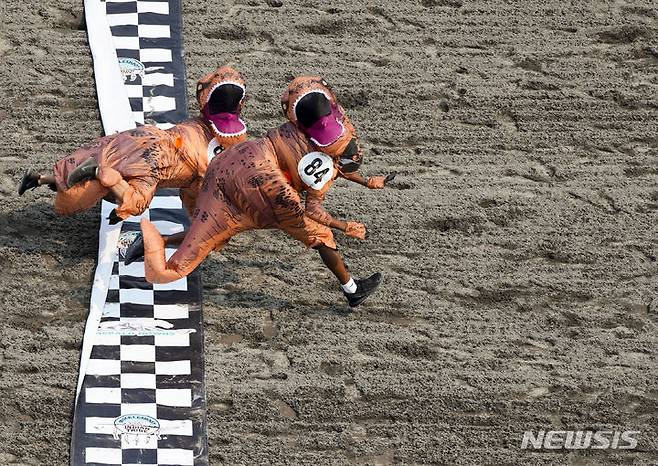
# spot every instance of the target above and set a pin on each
(141, 328)
(126, 238)
(136, 429)
(131, 68)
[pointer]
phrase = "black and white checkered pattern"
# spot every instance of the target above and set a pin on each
(146, 361)
(143, 400)
(149, 31)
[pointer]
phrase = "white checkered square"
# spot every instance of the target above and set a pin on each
(103, 395)
(110, 456)
(145, 409)
(161, 8)
(138, 353)
(138, 380)
(136, 296)
(171, 456)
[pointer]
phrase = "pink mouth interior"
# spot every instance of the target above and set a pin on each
(225, 122)
(326, 130)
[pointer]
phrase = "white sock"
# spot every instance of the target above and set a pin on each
(349, 287)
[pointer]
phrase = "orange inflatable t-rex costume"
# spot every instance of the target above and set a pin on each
(258, 185)
(128, 167)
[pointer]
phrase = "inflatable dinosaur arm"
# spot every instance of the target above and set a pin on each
(316, 212)
(372, 182)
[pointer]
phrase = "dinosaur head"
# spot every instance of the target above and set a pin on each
(310, 104)
(220, 95)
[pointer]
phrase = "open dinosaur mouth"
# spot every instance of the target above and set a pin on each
(223, 109)
(319, 119)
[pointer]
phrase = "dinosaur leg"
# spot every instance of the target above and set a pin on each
(106, 176)
(80, 197)
(112, 179)
(85, 171)
(132, 196)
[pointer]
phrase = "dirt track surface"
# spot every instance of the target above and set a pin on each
(518, 242)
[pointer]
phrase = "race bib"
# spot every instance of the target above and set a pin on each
(214, 148)
(316, 169)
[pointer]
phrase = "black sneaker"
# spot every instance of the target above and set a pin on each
(83, 172)
(114, 218)
(135, 251)
(30, 181)
(364, 288)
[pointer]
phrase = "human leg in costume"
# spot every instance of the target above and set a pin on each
(70, 201)
(32, 180)
(73, 200)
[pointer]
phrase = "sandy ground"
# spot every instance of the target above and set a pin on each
(518, 243)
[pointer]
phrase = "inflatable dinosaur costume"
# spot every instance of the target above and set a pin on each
(258, 185)
(128, 167)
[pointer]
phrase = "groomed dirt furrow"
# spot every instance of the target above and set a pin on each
(518, 242)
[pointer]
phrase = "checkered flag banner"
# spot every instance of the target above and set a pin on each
(141, 397)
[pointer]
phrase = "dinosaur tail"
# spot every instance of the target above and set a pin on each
(155, 265)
